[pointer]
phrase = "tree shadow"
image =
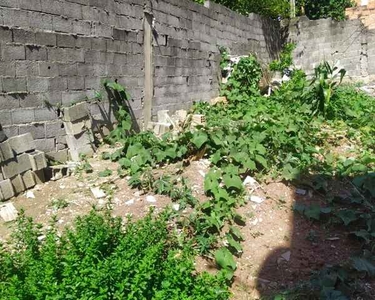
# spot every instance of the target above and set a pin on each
(318, 264)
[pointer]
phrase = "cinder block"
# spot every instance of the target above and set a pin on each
(3, 137)
(13, 53)
(18, 184)
(86, 150)
(75, 112)
(10, 168)
(80, 140)
(6, 189)
(38, 160)
(6, 151)
(77, 127)
(58, 156)
(45, 38)
(36, 53)
(39, 177)
(28, 179)
(22, 143)
(14, 85)
(24, 163)
(66, 41)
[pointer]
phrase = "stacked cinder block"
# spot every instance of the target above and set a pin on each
(21, 166)
(79, 136)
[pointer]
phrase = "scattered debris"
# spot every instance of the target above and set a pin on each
(30, 195)
(217, 100)
(98, 193)
(250, 181)
(255, 199)
(176, 207)
(286, 255)
(8, 212)
(333, 239)
(301, 192)
(130, 202)
(151, 199)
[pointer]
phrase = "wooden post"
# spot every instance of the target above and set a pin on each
(149, 74)
(292, 9)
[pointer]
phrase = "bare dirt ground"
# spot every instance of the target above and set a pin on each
(281, 248)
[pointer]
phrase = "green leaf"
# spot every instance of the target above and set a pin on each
(260, 159)
(347, 216)
(236, 233)
(105, 173)
(234, 244)
(224, 259)
(313, 212)
(233, 181)
(363, 265)
(199, 138)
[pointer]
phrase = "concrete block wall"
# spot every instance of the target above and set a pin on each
(59, 51)
(186, 48)
(347, 43)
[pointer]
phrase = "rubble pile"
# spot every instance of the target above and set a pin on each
(21, 165)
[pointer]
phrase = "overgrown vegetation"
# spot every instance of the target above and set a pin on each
(289, 135)
(281, 8)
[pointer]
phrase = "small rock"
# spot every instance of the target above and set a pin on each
(250, 181)
(8, 212)
(98, 193)
(286, 255)
(130, 202)
(30, 195)
(255, 199)
(151, 199)
(202, 173)
(62, 187)
(137, 194)
(41, 238)
(176, 207)
(301, 192)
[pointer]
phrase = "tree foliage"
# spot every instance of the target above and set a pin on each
(281, 8)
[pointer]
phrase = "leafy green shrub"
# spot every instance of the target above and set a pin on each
(101, 259)
(244, 80)
(285, 60)
(324, 84)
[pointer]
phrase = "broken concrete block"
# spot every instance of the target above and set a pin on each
(181, 115)
(75, 112)
(6, 189)
(162, 128)
(6, 151)
(8, 212)
(39, 177)
(77, 127)
(98, 193)
(18, 184)
(163, 116)
(198, 120)
(28, 179)
(38, 160)
(217, 100)
(22, 143)
(57, 172)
